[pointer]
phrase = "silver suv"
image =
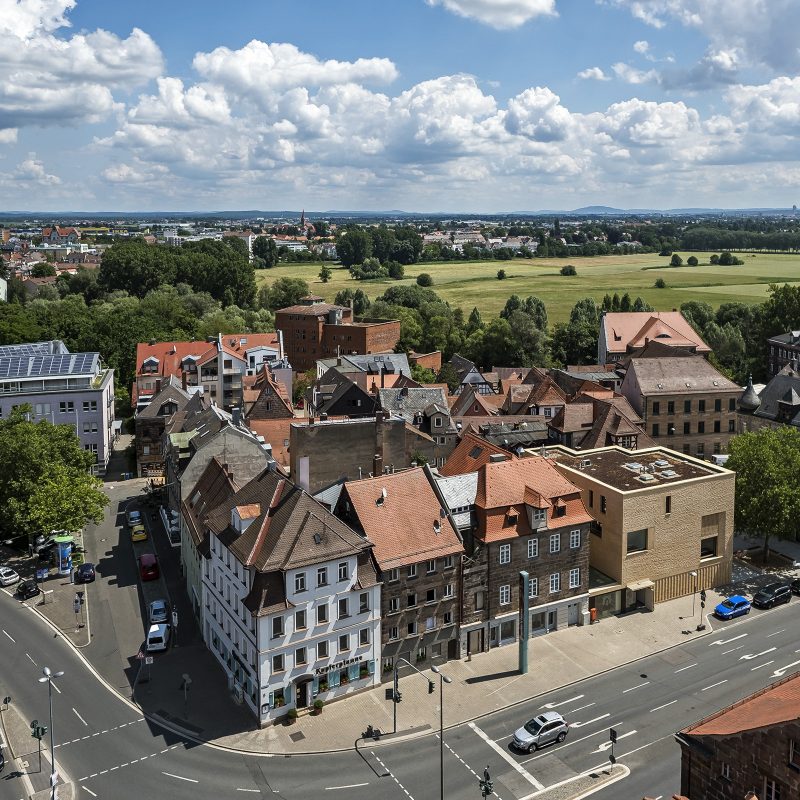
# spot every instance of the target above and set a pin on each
(544, 729)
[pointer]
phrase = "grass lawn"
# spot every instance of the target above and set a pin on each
(474, 283)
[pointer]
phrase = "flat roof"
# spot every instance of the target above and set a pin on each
(633, 470)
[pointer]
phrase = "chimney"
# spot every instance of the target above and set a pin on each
(496, 458)
(377, 464)
(404, 391)
(236, 414)
(382, 371)
(323, 417)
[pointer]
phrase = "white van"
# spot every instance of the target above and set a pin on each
(157, 638)
(719, 459)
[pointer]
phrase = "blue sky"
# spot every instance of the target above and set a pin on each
(428, 105)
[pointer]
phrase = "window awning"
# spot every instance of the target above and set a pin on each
(639, 585)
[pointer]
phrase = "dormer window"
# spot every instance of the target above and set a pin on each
(539, 514)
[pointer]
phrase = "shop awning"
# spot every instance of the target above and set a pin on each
(639, 585)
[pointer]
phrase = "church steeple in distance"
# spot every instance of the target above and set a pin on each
(303, 219)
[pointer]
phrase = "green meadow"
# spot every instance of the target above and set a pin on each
(474, 283)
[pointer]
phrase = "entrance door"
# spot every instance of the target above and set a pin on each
(552, 620)
(475, 641)
(302, 694)
(572, 614)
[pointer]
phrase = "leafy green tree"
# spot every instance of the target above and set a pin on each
(408, 296)
(660, 283)
(370, 269)
(714, 259)
(422, 374)
(607, 301)
(767, 463)
(424, 279)
(264, 248)
(676, 261)
(639, 304)
(728, 260)
(692, 261)
(286, 292)
(475, 322)
(45, 483)
(353, 245)
(447, 374)
(568, 270)
(325, 273)
(396, 270)
(625, 303)
(43, 270)
(574, 343)
(360, 300)
(501, 274)
(615, 302)
(697, 314)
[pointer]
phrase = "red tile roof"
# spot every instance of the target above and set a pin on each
(402, 522)
(470, 454)
(622, 329)
(777, 703)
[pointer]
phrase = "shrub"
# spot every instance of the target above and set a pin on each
(714, 259)
(319, 704)
(676, 260)
(660, 284)
(396, 270)
(501, 274)
(291, 714)
(666, 252)
(728, 260)
(692, 261)
(424, 279)
(569, 270)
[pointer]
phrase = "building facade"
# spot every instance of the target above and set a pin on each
(65, 389)
(783, 350)
(659, 517)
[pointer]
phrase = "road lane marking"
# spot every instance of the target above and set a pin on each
(765, 664)
(776, 633)
(718, 683)
(570, 742)
(582, 708)
(727, 641)
(392, 775)
(563, 702)
(683, 668)
(588, 721)
(9, 636)
(333, 788)
(507, 758)
(601, 748)
(725, 652)
(756, 655)
(625, 691)
(32, 661)
(782, 671)
(90, 791)
(248, 790)
(179, 777)
(80, 717)
(658, 708)
(55, 686)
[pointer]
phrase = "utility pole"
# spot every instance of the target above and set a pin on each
(48, 679)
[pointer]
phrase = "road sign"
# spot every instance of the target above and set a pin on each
(148, 660)
(140, 655)
(7, 701)
(174, 619)
(76, 606)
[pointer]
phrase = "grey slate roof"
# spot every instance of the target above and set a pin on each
(783, 389)
(407, 402)
(372, 363)
(171, 393)
(680, 375)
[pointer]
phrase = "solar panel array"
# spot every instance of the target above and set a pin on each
(30, 349)
(36, 366)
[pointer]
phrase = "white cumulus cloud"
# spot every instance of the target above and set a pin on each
(593, 74)
(499, 13)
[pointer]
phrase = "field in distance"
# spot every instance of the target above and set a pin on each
(474, 283)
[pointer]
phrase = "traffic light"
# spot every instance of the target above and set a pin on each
(703, 595)
(612, 735)
(430, 687)
(487, 785)
(398, 696)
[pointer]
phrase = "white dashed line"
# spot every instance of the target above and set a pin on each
(349, 786)
(658, 708)
(179, 777)
(392, 775)
(32, 661)
(725, 652)
(90, 791)
(683, 668)
(625, 691)
(9, 636)
(248, 790)
(765, 664)
(80, 717)
(776, 633)
(719, 683)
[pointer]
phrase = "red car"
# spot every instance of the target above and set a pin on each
(148, 567)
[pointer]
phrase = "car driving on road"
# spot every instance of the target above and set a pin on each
(544, 729)
(773, 594)
(734, 606)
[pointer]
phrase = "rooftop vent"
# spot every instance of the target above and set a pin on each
(661, 463)
(382, 499)
(647, 478)
(669, 473)
(496, 458)
(633, 466)
(317, 539)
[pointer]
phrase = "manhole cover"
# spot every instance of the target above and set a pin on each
(297, 737)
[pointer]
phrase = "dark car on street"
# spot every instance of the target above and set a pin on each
(26, 589)
(773, 594)
(85, 573)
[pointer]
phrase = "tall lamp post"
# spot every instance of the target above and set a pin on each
(48, 679)
(443, 679)
(694, 593)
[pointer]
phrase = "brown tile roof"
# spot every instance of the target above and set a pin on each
(469, 455)
(777, 703)
(214, 486)
(293, 530)
(315, 310)
(403, 523)
(622, 329)
(471, 402)
(680, 375)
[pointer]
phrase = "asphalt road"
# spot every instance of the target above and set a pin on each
(109, 751)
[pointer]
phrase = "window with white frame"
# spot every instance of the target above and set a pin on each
(794, 754)
(448, 590)
(412, 628)
(447, 562)
(430, 596)
(539, 514)
(725, 770)
(431, 566)
(394, 574)
(555, 583)
(533, 587)
(300, 582)
(277, 663)
(574, 578)
(277, 627)
(555, 542)
(322, 576)
(412, 570)
(447, 618)
(363, 636)
(394, 632)
(533, 547)
(344, 642)
(300, 656)
(344, 572)
(363, 603)
(394, 604)
(505, 594)
(322, 613)
(772, 789)
(430, 623)
(505, 553)
(574, 539)
(344, 608)
(300, 620)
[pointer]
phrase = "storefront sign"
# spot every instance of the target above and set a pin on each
(338, 665)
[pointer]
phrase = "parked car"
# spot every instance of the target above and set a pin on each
(159, 611)
(85, 573)
(138, 533)
(26, 589)
(133, 517)
(8, 576)
(773, 594)
(734, 606)
(148, 567)
(157, 638)
(795, 586)
(544, 729)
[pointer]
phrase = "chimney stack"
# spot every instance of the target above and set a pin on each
(236, 414)
(377, 464)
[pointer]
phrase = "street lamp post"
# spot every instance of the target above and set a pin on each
(694, 593)
(443, 679)
(48, 679)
